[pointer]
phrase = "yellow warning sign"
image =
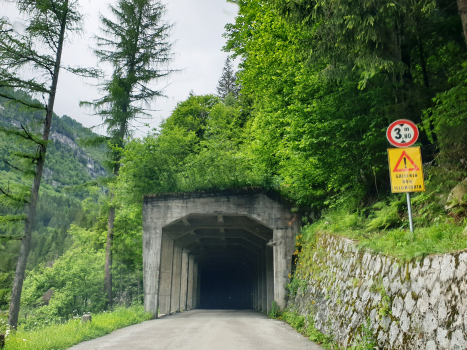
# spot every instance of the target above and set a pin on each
(405, 167)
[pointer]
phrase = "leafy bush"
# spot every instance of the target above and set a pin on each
(76, 279)
(275, 310)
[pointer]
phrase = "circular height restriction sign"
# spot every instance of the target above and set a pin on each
(402, 133)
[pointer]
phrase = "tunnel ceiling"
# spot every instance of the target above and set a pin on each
(220, 237)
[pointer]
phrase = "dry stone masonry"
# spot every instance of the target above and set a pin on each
(413, 305)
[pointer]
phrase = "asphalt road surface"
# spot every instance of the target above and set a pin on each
(205, 330)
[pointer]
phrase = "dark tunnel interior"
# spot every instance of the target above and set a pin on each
(226, 286)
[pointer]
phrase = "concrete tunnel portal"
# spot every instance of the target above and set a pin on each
(217, 250)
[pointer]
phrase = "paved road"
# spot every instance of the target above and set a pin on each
(204, 330)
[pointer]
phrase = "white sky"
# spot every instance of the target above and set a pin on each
(197, 33)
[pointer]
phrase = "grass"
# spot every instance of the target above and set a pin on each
(384, 228)
(400, 243)
(63, 336)
(298, 322)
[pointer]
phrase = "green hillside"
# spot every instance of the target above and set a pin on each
(68, 164)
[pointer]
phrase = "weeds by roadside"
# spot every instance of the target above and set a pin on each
(364, 339)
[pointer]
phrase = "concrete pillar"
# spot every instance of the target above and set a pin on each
(259, 289)
(269, 277)
(264, 297)
(195, 285)
(165, 290)
(255, 291)
(189, 300)
(176, 279)
(283, 251)
(198, 290)
(184, 281)
(152, 242)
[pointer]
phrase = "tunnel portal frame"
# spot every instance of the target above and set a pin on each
(182, 230)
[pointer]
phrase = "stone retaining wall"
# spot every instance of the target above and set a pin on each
(413, 305)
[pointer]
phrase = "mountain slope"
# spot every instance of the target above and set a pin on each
(67, 164)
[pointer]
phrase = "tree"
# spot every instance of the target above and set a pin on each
(40, 49)
(136, 44)
(227, 83)
(462, 8)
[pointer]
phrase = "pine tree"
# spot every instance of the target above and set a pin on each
(136, 44)
(227, 83)
(40, 50)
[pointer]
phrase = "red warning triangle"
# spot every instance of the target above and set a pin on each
(402, 162)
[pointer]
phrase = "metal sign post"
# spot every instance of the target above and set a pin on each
(405, 163)
(409, 207)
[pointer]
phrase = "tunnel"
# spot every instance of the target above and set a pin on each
(225, 285)
(216, 251)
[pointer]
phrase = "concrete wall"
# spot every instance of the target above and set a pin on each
(176, 279)
(184, 282)
(166, 269)
(421, 304)
(189, 302)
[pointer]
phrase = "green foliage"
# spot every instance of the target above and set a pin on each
(294, 285)
(384, 216)
(449, 116)
(365, 340)
(58, 206)
(433, 234)
(306, 326)
(135, 42)
(384, 305)
(198, 148)
(62, 336)
(76, 279)
(226, 86)
(275, 310)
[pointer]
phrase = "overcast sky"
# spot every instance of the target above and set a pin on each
(197, 34)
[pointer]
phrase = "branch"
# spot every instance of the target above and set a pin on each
(30, 137)
(85, 72)
(26, 135)
(24, 103)
(13, 218)
(12, 238)
(29, 172)
(13, 197)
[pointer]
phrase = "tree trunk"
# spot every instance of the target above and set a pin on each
(108, 255)
(462, 7)
(31, 206)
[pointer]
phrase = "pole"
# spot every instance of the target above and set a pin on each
(409, 207)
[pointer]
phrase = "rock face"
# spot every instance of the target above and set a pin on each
(47, 296)
(414, 305)
(92, 167)
(86, 318)
(458, 196)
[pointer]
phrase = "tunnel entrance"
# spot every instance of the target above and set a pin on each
(221, 250)
(226, 286)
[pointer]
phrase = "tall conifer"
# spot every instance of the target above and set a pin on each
(136, 44)
(227, 82)
(39, 48)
